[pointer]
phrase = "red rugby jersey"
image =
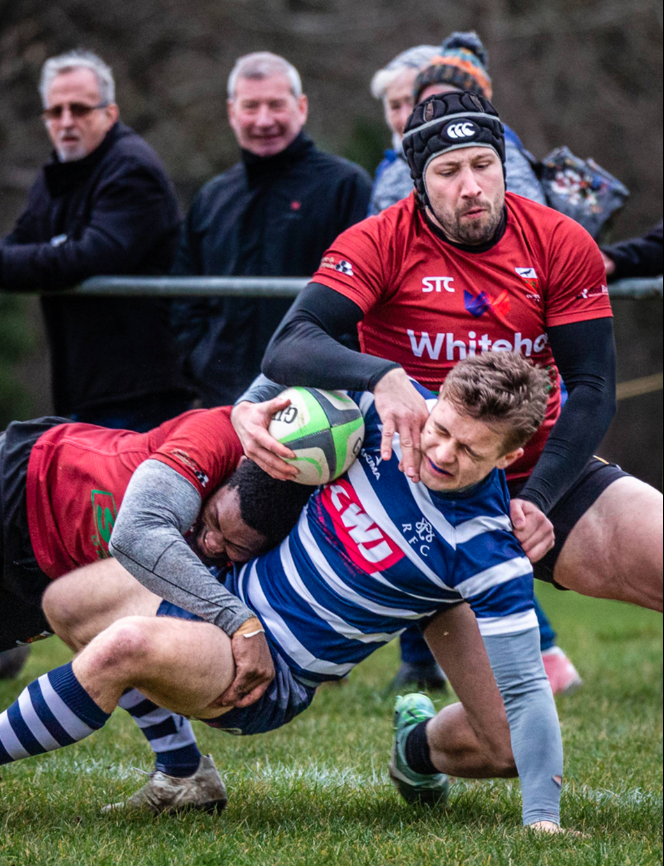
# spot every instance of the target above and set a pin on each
(428, 304)
(78, 474)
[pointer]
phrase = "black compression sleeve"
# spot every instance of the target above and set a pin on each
(585, 355)
(306, 348)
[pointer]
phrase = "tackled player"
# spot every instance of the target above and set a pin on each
(349, 578)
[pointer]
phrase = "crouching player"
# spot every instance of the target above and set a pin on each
(372, 553)
(61, 485)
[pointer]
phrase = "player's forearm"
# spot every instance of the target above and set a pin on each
(517, 664)
(585, 354)
(158, 507)
(573, 441)
(306, 348)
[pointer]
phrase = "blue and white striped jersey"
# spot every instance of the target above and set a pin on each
(373, 552)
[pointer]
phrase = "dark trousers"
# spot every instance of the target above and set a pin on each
(139, 415)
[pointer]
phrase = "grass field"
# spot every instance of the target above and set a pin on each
(317, 791)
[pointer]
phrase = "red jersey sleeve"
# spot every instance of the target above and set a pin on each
(204, 449)
(576, 281)
(354, 266)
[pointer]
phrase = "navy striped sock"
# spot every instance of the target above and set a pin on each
(54, 711)
(171, 737)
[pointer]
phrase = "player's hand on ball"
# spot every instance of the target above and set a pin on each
(251, 422)
(533, 529)
(254, 671)
(402, 410)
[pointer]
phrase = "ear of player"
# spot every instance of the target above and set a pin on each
(325, 429)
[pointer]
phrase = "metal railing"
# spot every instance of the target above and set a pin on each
(269, 287)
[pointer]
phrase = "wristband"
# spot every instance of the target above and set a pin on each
(250, 628)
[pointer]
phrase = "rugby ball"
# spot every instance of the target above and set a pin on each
(325, 429)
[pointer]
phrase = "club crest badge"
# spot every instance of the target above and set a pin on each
(529, 276)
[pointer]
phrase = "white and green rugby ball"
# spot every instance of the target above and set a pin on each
(325, 429)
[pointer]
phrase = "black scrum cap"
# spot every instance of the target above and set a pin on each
(450, 121)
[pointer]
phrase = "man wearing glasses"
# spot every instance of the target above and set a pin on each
(103, 204)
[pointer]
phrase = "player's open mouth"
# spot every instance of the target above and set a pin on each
(438, 470)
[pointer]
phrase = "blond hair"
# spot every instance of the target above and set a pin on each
(503, 389)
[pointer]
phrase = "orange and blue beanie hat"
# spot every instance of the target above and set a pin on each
(462, 63)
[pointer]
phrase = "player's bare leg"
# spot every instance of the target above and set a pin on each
(82, 604)
(186, 665)
(472, 738)
(181, 665)
(615, 550)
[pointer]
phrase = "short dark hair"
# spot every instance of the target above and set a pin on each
(268, 506)
(504, 388)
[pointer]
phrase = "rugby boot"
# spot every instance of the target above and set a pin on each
(428, 677)
(563, 676)
(169, 794)
(13, 661)
(427, 790)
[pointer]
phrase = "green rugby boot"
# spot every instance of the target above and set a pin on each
(428, 790)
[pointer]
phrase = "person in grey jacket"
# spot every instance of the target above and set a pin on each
(394, 85)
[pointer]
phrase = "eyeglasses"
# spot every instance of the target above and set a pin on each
(76, 109)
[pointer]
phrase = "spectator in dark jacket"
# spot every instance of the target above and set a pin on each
(102, 205)
(639, 257)
(273, 214)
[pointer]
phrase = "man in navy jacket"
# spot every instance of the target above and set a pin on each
(273, 215)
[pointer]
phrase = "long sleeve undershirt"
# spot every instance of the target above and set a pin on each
(516, 661)
(305, 351)
(158, 508)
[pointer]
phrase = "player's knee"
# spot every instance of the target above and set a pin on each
(124, 648)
